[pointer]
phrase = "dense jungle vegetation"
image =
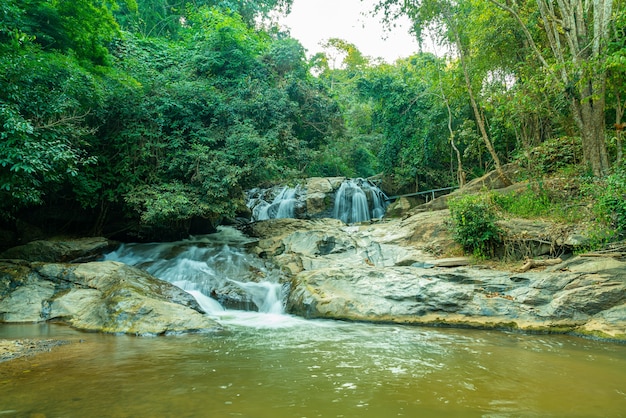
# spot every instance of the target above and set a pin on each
(149, 118)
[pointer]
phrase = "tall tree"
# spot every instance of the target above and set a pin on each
(577, 33)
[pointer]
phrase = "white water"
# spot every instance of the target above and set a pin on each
(215, 267)
(354, 199)
(282, 206)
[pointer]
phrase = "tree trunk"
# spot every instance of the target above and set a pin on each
(619, 127)
(588, 110)
(480, 120)
(591, 125)
(577, 34)
(460, 174)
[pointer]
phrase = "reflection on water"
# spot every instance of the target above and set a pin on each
(295, 368)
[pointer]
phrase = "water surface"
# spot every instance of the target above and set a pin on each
(279, 366)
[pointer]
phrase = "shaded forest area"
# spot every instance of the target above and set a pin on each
(147, 119)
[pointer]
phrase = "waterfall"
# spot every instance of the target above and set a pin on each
(286, 203)
(213, 269)
(358, 201)
(282, 206)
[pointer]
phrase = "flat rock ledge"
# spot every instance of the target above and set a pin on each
(107, 297)
(384, 274)
(61, 250)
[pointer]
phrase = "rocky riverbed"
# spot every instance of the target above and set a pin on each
(400, 270)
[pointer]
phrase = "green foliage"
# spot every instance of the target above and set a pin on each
(83, 28)
(531, 203)
(172, 118)
(552, 155)
(44, 106)
(474, 224)
(202, 118)
(173, 129)
(610, 197)
(226, 46)
(405, 108)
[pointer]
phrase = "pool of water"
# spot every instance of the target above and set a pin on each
(268, 365)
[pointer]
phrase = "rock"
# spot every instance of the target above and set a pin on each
(61, 251)
(610, 323)
(12, 349)
(98, 296)
(491, 180)
(392, 272)
(316, 204)
(398, 208)
(452, 262)
(323, 185)
(468, 297)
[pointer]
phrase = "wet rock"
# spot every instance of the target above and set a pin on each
(12, 349)
(98, 296)
(319, 195)
(398, 208)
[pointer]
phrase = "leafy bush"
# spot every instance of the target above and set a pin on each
(474, 224)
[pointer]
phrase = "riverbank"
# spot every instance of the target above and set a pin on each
(17, 348)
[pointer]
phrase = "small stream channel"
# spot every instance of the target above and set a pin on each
(269, 364)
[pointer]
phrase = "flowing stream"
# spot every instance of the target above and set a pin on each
(269, 364)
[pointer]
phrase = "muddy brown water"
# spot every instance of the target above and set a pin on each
(280, 366)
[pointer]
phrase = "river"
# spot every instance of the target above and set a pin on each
(270, 364)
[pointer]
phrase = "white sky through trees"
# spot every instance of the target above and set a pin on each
(314, 21)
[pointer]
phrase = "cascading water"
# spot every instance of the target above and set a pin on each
(282, 206)
(358, 201)
(213, 268)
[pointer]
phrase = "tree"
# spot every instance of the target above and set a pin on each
(164, 18)
(616, 66)
(577, 34)
(408, 112)
(45, 101)
(451, 20)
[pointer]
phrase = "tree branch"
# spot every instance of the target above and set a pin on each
(524, 29)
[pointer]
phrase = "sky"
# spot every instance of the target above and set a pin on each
(314, 21)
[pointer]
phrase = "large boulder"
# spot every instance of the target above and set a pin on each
(97, 296)
(555, 301)
(61, 251)
(319, 195)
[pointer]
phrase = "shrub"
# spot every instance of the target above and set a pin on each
(474, 224)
